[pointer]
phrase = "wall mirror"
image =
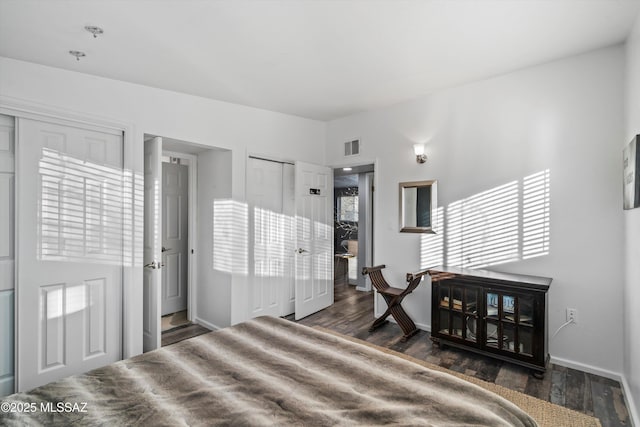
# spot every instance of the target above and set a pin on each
(417, 206)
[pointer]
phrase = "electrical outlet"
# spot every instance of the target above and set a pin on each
(572, 315)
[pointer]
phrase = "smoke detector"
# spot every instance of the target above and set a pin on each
(96, 31)
(78, 54)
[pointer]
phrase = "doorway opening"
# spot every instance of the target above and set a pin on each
(353, 224)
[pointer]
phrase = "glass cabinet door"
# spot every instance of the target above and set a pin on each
(443, 310)
(458, 311)
(525, 325)
(492, 326)
(470, 309)
(509, 322)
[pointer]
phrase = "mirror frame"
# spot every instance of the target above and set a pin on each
(433, 206)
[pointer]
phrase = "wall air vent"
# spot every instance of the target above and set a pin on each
(351, 148)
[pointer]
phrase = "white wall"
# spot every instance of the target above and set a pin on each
(158, 112)
(632, 232)
(213, 287)
(564, 117)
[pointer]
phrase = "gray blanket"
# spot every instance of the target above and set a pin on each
(265, 371)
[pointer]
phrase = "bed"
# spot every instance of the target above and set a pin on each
(266, 371)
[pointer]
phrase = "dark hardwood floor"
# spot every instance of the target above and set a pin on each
(352, 314)
(188, 330)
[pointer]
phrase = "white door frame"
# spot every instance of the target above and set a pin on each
(367, 258)
(192, 269)
(133, 164)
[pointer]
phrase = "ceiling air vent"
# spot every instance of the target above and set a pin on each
(351, 148)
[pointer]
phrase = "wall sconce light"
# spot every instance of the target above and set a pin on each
(418, 149)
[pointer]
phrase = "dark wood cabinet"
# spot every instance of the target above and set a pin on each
(496, 314)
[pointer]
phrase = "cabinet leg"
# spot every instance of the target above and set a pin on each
(537, 375)
(441, 345)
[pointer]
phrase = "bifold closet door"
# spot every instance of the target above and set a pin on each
(70, 208)
(271, 251)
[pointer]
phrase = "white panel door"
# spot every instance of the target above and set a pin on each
(151, 326)
(70, 254)
(266, 258)
(314, 237)
(175, 237)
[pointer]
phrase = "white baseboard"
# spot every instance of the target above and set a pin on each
(587, 368)
(421, 326)
(628, 400)
(424, 327)
(206, 324)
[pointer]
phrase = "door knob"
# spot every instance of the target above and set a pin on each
(301, 251)
(165, 249)
(152, 264)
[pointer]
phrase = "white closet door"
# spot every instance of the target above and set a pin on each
(264, 194)
(70, 250)
(7, 225)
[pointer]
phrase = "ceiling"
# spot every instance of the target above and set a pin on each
(345, 181)
(319, 59)
(348, 177)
